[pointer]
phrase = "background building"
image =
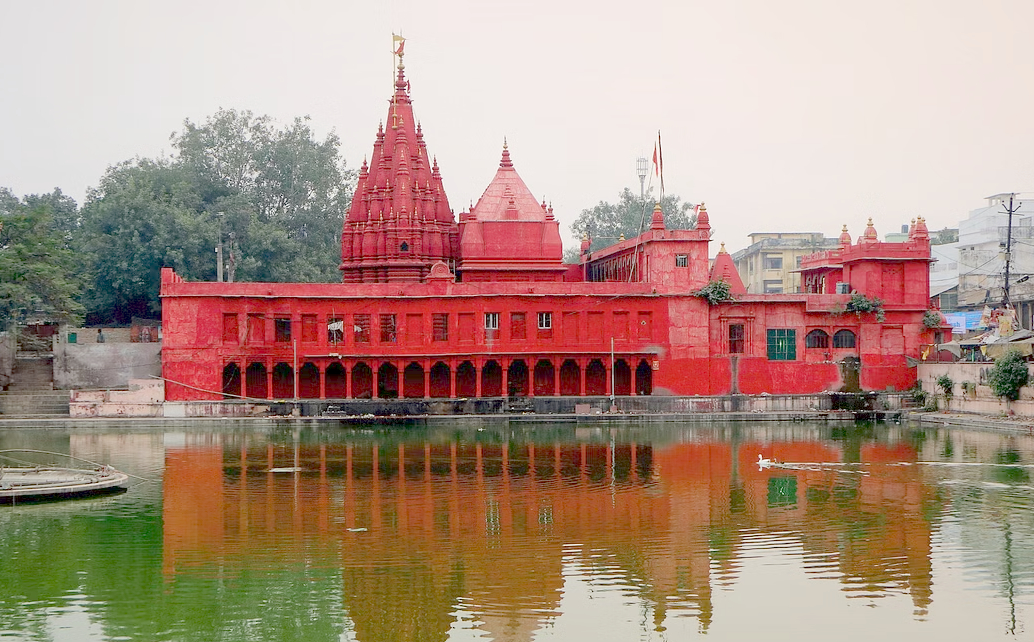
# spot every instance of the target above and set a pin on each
(771, 263)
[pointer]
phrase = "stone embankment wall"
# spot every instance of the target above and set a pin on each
(104, 365)
(971, 392)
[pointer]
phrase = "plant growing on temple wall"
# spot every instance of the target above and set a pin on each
(715, 292)
(1008, 375)
(932, 319)
(860, 304)
(946, 385)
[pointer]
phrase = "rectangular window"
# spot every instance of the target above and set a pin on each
(595, 326)
(518, 325)
(256, 329)
(440, 329)
(335, 330)
(361, 328)
(782, 345)
(388, 328)
(571, 322)
(282, 326)
(466, 326)
(645, 327)
(309, 334)
(415, 329)
(681, 260)
(491, 320)
(230, 328)
(736, 341)
(773, 287)
(545, 325)
(773, 261)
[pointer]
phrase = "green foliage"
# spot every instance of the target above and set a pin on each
(945, 236)
(946, 385)
(605, 223)
(715, 292)
(861, 304)
(919, 396)
(37, 269)
(1008, 374)
(931, 319)
(275, 197)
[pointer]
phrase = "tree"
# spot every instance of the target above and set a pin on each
(945, 236)
(37, 271)
(606, 223)
(1008, 375)
(275, 197)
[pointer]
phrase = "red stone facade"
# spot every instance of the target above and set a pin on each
(432, 308)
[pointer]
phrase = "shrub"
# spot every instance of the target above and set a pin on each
(715, 292)
(932, 319)
(1008, 375)
(946, 385)
(919, 395)
(860, 304)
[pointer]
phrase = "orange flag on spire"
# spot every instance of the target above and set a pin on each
(399, 43)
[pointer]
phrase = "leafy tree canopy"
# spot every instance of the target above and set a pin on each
(606, 223)
(274, 196)
(37, 268)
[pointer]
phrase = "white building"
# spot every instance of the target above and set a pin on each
(981, 256)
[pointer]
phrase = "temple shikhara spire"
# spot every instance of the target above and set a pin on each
(400, 223)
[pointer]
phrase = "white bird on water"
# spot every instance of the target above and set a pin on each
(764, 463)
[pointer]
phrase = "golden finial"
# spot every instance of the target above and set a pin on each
(722, 250)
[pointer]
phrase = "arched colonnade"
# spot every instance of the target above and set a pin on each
(430, 378)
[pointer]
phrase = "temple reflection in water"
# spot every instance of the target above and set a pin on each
(420, 532)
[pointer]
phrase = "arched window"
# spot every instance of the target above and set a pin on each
(844, 339)
(816, 339)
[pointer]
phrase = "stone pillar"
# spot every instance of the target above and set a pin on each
(506, 379)
(583, 365)
(556, 380)
(348, 380)
(427, 378)
(322, 374)
(452, 378)
(478, 364)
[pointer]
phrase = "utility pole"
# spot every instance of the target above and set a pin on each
(1011, 209)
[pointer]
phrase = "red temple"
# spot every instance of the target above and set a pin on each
(434, 309)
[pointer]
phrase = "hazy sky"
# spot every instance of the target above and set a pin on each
(796, 115)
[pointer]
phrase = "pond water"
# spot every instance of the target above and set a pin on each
(500, 531)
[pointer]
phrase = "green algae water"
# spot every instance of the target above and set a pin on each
(497, 531)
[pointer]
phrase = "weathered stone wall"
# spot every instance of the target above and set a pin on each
(8, 347)
(104, 365)
(971, 392)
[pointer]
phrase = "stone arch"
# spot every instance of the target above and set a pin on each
(231, 380)
(466, 380)
(517, 379)
(413, 381)
(545, 378)
(595, 378)
(283, 381)
(570, 378)
(816, 339)
(844, 339)
(491, 379)
(362, 381)
(622, 378)
(387, 381)
(309, 381)
(643, 378)
(255, 381)
(336, 386)
(440, 380)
